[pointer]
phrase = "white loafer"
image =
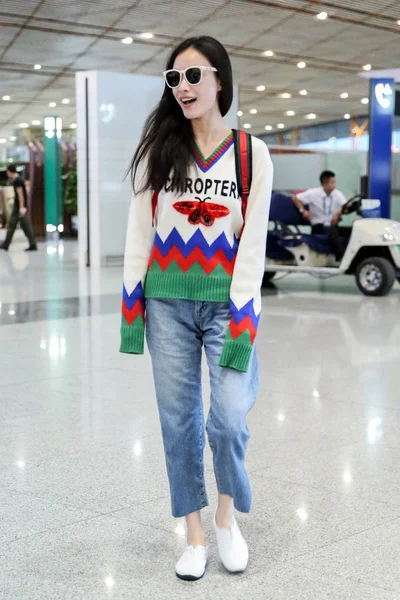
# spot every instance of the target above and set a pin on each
(192, 564)
(232, 547)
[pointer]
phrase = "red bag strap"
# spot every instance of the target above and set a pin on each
(154, 202)
(243, 163)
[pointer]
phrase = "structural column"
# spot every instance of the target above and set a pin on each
(52, 174)
(382, 100)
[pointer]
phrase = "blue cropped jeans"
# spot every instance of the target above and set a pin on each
(176, 332)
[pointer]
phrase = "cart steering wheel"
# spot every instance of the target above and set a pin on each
(352, 205)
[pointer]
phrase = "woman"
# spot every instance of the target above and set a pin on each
(199, 287)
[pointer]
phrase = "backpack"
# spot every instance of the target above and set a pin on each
(244, 170)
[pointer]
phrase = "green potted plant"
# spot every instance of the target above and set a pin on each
(71, 197)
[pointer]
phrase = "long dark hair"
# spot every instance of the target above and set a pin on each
(167, 140)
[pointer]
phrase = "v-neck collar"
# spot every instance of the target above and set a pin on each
(205, 164)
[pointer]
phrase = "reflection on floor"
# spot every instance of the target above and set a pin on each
(84, 506)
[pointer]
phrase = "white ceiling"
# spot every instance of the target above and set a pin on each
(86, 34)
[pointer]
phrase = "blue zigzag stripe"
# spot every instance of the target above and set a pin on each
(246, 310)
(197, 241)
(137, 294)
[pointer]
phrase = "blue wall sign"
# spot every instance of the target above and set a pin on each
(381, 102)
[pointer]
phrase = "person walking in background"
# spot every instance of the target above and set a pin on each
(19, 212)
(199, 286)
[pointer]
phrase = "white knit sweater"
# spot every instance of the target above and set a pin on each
(192, 249)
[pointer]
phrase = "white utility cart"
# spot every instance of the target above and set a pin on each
(371, 247)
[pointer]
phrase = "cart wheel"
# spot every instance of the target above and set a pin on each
(268, 275)
(375, 276)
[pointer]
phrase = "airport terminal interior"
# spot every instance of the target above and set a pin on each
(85, 509)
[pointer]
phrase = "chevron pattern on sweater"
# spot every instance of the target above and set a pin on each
(196, 256)
(196, 250)
(197, 241)
(244, 319)
(133, 304)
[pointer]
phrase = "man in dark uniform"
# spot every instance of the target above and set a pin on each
(19, 213)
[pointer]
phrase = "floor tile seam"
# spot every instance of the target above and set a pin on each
(104, 445)
(94, 370)
(385, 409)
(234, 579)
(92, 395)
(364, 404)
(301, 437)
(31, 496)
(331, 398)
(110, 512)
(65, 454)
(338, 541)
(302, 457)
(305, 456)
(70, 524)
(373, 499)
(325, 489)
(344, 578)
(66, 505)
(97, 369)
(76, 296)
(59, 503)
(135, 503)
(68, 454)
(60, 434)
(267, 411)
(323, 395)
(141, 523)
(334, 542)
(40, 321)
(72, 437)
(339, 578)
(90, 370)
(279, 391)
(100, 398)
(61, 319)
(51, 529)
(329, 440)
(329, 491)
(330, 574)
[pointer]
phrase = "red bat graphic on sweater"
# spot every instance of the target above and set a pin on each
(200, 212)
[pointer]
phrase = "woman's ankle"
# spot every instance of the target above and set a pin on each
(225, 521)
(224, 512)
(195, 532)
(196, 538)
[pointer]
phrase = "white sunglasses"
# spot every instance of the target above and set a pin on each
(193, 75)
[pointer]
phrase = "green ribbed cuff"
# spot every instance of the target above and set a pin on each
(132, 337)
(236, 356)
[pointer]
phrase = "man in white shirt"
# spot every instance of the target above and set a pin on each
(325, 205)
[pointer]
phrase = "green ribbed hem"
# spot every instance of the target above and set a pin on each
(132, 336)
(236, 356)
(187, 287)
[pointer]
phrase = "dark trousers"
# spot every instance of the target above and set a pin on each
(25, 226)
(334, 238)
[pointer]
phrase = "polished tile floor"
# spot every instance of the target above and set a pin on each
(84, 506)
